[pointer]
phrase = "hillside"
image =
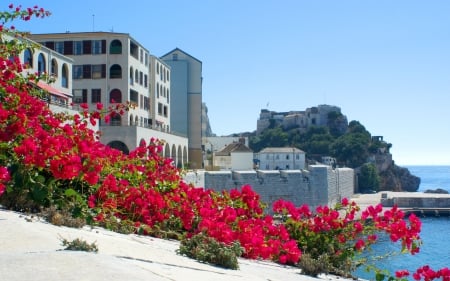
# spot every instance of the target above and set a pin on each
(350, 143)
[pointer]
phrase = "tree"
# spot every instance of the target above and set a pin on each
(351, 149)
(368, 179)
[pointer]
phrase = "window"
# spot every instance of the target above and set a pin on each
(134, 96)
(157, 90)
(174, 56)
(41, 63)
(166, 111)
(115, 47)
(141, 78)
(96, 96)
(80, 96)
(297, 157)
(65, 76)
(77, 72)
(134, 49)
(87, 71)
(157, 68)
(136, 76)
(287, 157)
(141, 104)
(168, 74)
(78, 47)
(28, 57)
(131, 76)
(87, 47)
(141, 55)
(146, 58)
(115, 96)
(146, 103)
(168, 100)
(98, 71)
(160, 108)
(68, 48)
(115, 71)
(145, 80)
(96, 47)
(59, 47)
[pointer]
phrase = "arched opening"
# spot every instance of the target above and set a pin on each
(28, 57)
(115, 47)
(41, 63)
(115, 72)
(179, 158)
(119, 146)
(54, 68)
(131, 75)
(115, 96)
(167, 151)
(174, 154)
(65, 76)
(136, 120)
(131, 119)
(185, 156)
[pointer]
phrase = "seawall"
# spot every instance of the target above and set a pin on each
(318, 185)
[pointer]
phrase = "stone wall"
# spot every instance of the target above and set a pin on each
(319, 185)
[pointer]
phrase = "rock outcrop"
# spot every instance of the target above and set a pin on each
(397, 178)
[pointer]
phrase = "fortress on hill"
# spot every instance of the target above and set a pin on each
(313, 116)
(319, 185)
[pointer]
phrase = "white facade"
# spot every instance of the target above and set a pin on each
(113, 68)
(238, 160)
(280, 158)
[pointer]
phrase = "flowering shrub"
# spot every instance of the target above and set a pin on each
(52, 160)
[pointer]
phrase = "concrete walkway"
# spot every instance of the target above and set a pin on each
(31, 249)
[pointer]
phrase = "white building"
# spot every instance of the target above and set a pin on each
(112, 68)
(235, 156)
(280, 158)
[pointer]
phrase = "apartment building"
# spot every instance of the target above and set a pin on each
(112, 68)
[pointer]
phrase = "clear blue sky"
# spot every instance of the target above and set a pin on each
(385, 63)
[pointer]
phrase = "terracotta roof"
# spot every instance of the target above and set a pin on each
(233, 147)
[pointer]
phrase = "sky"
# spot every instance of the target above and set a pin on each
(385, 63)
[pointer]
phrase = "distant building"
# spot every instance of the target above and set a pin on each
(186, 101)
(280, 158)
(234, 156)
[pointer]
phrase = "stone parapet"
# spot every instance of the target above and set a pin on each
(319, 185)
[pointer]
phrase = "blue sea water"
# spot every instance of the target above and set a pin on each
(435, 234)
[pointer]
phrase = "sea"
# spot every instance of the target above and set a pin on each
(435, 234)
